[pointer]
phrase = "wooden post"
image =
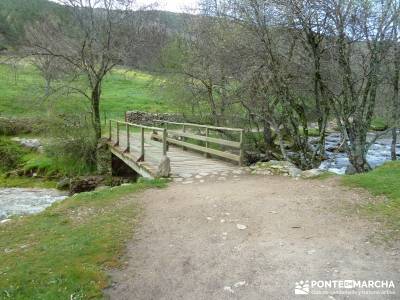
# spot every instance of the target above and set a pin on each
(128, 142)
(142, 143)
(183, 138)
(207, 133)
(117, 142)
(165, 142)
(109, 134)
(241, 153)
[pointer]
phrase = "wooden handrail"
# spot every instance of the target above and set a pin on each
(200, 125)
(142, 136)
(183, 135)
(138, 125)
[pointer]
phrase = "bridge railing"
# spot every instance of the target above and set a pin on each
(127, 126)
(183, 135)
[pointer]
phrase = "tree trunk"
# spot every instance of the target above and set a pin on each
(394, 142)
(269, 141)
(357, 157)
(96, 93)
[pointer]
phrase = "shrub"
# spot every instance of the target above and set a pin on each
(11, 154)
(73, 146)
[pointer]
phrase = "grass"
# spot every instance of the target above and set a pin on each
(384, 181)
(15, 157)
(22, 90)
(378, 124)
(63, 252)
(26, 182)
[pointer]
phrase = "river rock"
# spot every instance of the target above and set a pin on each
(64, 184)
(33, 144)
(84, 184)
(275, 167)
(311, 173)
(350, 170)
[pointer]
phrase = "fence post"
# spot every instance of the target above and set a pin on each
(165, 145)
(142, 143)
(207, 133)
(128, 143)
(110, 130)
(241, 153)
(117, 142)
(183, 138)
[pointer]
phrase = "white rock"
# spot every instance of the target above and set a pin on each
(222, 220)
(241, 226)
(240, 283)
(187, 182)
(5, 221)
(312, 251)
(229, 289)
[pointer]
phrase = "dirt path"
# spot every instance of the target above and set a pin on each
(189, 245)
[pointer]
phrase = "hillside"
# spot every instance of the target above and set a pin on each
(15, 15)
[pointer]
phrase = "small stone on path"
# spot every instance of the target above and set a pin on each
(240, 283)
(229, 289)
(241, 226)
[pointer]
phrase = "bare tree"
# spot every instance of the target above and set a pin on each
(89, 40)
(358, 31)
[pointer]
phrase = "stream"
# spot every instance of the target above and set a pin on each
(23, 201)
(376, 156)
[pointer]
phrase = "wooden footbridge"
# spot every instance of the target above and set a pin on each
(175, 149)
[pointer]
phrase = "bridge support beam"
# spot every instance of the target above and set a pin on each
(119, 168)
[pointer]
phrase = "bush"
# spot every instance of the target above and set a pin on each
(73, 147)
(14, 126)
(11, 154)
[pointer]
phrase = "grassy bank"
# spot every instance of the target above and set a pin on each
(381, 181)
(15, 159)
(23, 89)
(63, 252)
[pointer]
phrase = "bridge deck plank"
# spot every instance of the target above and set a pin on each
(182, 162)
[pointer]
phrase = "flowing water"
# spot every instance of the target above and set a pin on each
(22, 201)
(376, 156)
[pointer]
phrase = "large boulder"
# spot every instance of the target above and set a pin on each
(275, 167)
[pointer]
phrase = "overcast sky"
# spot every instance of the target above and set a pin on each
(173, 5)
(169, 5)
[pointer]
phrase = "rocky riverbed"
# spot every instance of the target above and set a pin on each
(22, 201)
